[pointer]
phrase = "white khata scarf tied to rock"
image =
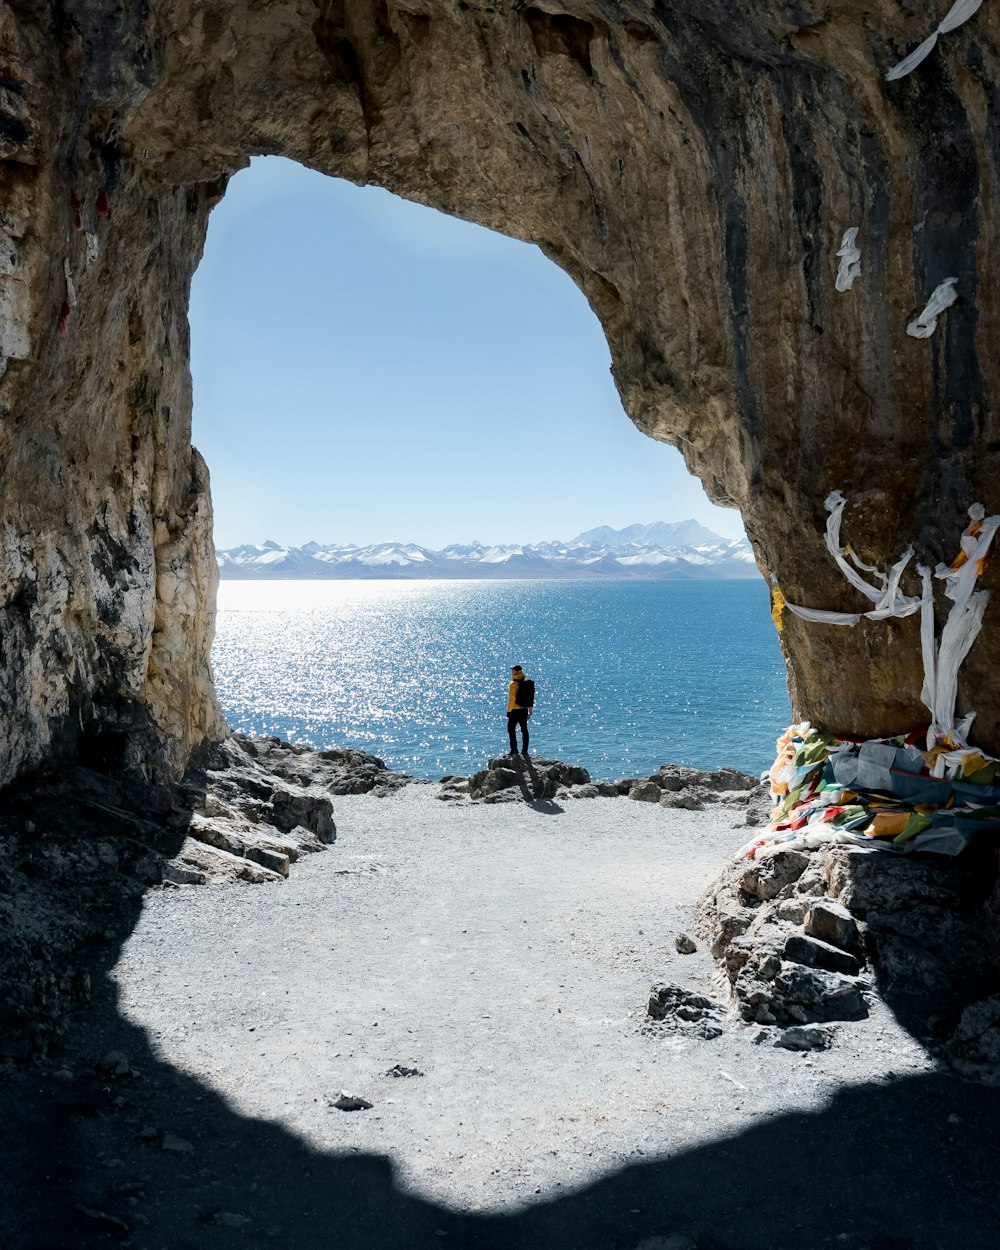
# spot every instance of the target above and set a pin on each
(957, 15)
(942, 658)
(942, 297)
(850, 260)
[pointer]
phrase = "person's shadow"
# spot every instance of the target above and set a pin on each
(535, 789)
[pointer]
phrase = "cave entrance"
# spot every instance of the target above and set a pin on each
(369, 371)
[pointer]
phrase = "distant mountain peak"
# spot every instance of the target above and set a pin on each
(661, 550)
(689, 533)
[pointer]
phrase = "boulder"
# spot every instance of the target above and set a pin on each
(665, 999)
(684, 1011)
(805, 1037)
(290, 808)
(529, 777)
(825, 995)
(688, 801)
(832, 922)
(977, 1036)
(676, 777)
(726, 925)
(766, 877)
(910, 931)
(801, 949)
(646, 792)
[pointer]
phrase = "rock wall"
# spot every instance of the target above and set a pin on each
(692, 165)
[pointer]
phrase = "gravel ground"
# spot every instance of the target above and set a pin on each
(505, 952)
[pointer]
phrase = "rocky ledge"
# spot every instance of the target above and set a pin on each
(532, 777)
(804, 939)
(254, 805)
(79, 849)
(339, 770)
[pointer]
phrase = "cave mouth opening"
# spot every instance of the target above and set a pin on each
(377, 386)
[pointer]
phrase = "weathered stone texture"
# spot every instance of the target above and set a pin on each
(846, 925)
(692, 165)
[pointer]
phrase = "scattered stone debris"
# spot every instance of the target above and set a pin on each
(453, 787)
(398, 1069)
(251, 813)
(693, 789)
(806, 1037)
(510, 777)
(336, 771)
(681, 1010)
(176, 1145)
(685, 944)
(349, 1102)
(80, 847)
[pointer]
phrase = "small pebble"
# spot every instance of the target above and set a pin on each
(229, 1219)
(350, 1102)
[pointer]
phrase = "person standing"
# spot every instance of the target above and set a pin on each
(518, 709)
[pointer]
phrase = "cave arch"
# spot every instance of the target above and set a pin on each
(691, 166)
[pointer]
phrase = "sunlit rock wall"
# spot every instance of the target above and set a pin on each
(692, 165)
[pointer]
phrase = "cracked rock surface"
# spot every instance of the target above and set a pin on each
(805, 937)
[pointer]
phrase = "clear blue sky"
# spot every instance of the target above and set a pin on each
(369, 370)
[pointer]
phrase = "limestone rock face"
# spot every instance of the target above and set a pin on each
(691, 164)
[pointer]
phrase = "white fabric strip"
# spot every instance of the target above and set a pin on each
(941, 662)
(70, 288)
(850, 260)
(835, 504)
(942, 297)
(959, 13)
(927, 631)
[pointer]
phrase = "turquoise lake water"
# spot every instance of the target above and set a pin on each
(629, 675)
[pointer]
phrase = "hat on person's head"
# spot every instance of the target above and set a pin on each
(517, 669)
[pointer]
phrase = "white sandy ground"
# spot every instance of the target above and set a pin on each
(505, 951)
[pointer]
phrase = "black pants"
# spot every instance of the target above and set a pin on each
(519, 717)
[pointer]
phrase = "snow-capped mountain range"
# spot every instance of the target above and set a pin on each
(671, 550)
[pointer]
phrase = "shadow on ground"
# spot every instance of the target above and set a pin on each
(533, 786)
(87, 1157)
